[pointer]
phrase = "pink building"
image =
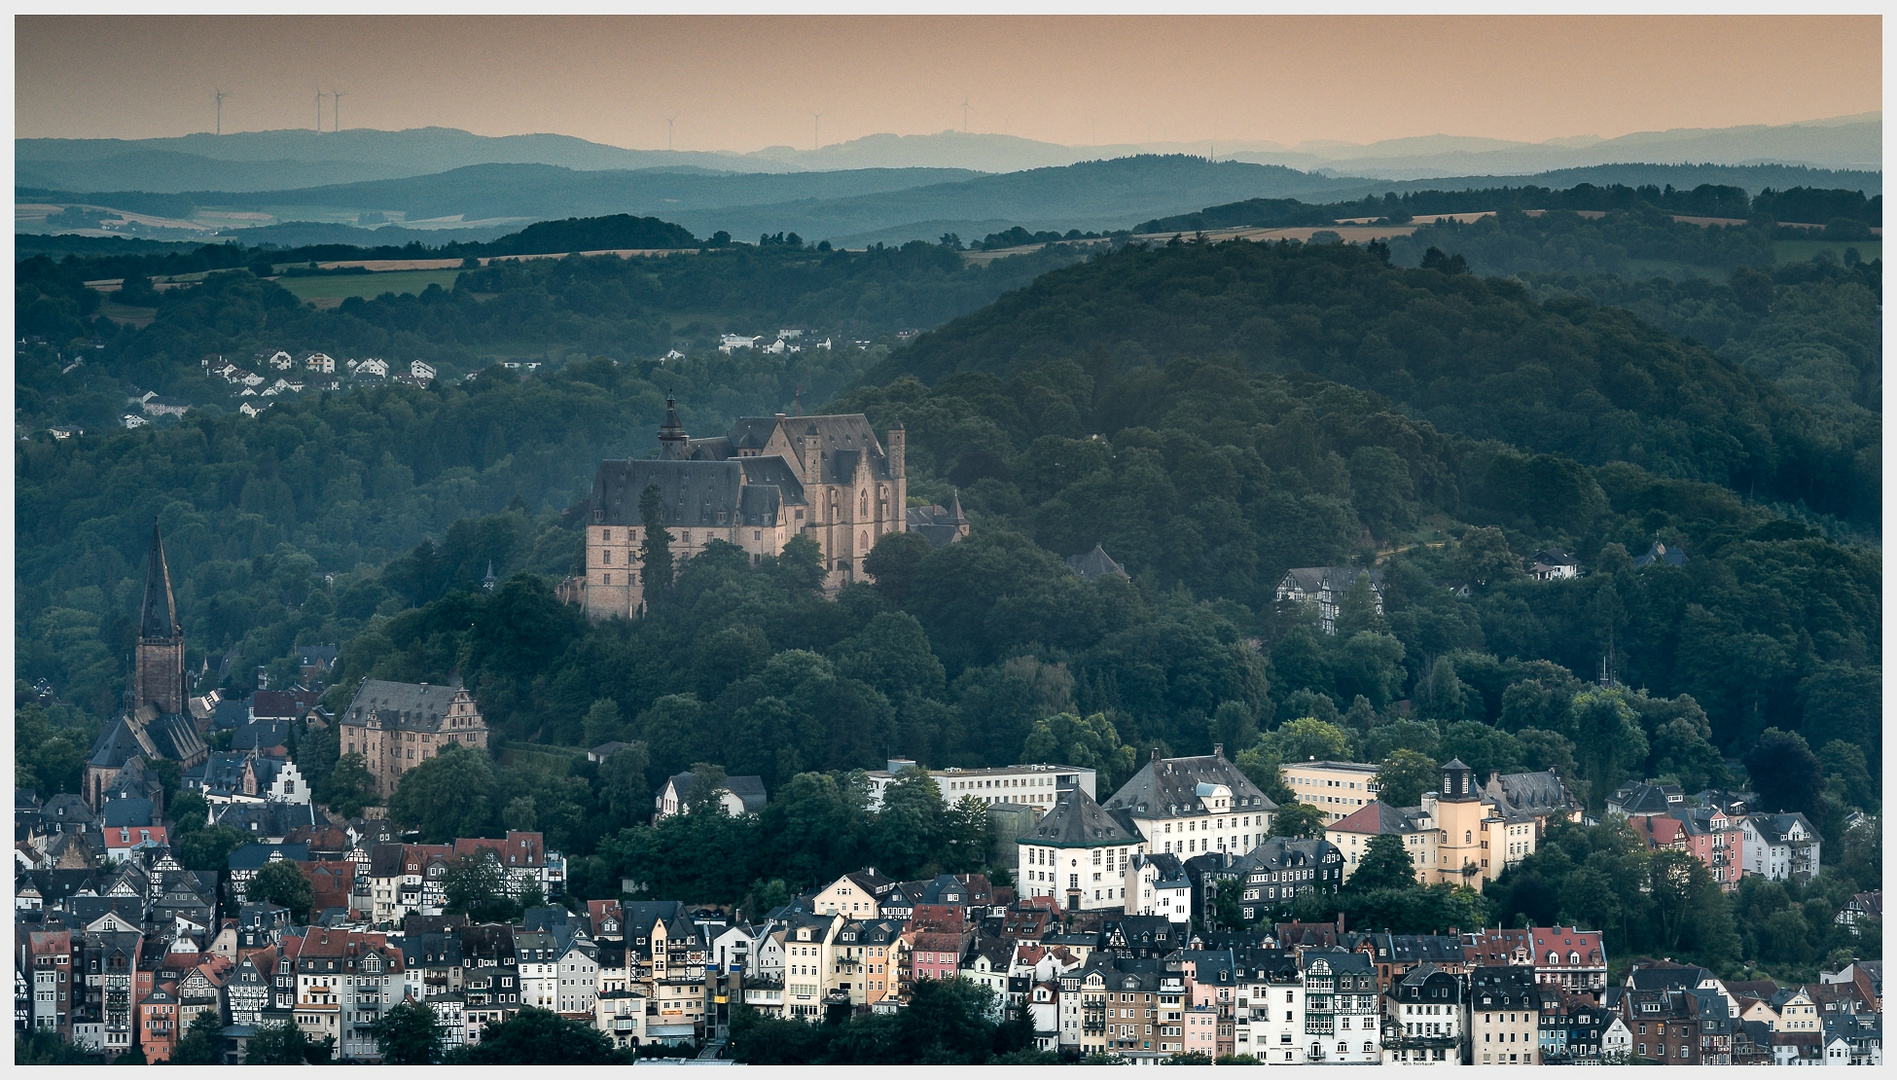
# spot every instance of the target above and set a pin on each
(936, 956)
(1201, 1031)
(1713, 836)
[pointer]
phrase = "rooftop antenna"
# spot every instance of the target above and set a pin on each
(668, 132)
(816, 143)
(336, 111)
(221, 95)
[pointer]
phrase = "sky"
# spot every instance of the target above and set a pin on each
(741, 83)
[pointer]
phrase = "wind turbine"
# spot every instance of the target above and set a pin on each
(336, 111)
(668, 132)
(964, 116)
(319, 112)
(221, 95)
(816, 141)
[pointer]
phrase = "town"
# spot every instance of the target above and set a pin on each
(1156, 924)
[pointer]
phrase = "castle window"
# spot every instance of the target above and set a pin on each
(606, 557)
(606, 579)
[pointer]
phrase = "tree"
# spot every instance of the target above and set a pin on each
(448, 795)
(408, 1034)
(538, 1037)
(1308, 738)
(1386, 864)
(281, 1044)
(349, 786)
(655, 550)
(476, 885)
(1483, 556)
(1404, 776)
(1298, 819)
(603, 723)
(283, 883)
(891, 564)
(1786, 775)
(1090, 743)
(40, 1047)
(622, 782)
(203, 1042)
(208, 850)
(966, 842)
(906, 835)
(188, 813)
(709, 784)
(1607, 738)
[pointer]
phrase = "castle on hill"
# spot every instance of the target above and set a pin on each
(769, 479)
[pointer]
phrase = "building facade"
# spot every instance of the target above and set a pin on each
(396, 726)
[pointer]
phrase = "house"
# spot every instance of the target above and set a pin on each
(940, 525)
(68, 431)
(1861, 906)
(320, 362)
(1039, 786)
(129, 421)
(738, 795)
(1190, 805)
(1648, 799)
(854, 895)
(1273, 874)
(1660, 554)
(165, 406)
(1096, 564)
(1553, 564)
(421, 371)
(727, 343)
(1324, 588)
(1080, 854)
(396, 725)
(252, 411)
(370, 368)
(1339, 788)
(1340, 1008)
(280, 360)
(1505, 1004)
(1780, 846)
(1158, 885)
(1424, 1010)
(1352, 834)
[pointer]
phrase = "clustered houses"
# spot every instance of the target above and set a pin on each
(271, 374)
(1715, 828)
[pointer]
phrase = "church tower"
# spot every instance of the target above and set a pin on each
(158, 670)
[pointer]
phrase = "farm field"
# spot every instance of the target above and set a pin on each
(329, 291)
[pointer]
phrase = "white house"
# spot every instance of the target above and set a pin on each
(1158, 885)
(739, 795)
(1779, 846)
(728, 342)
(130, 420)
(322, 362)
(280, 360)
(421, 372)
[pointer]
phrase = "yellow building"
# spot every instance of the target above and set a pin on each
(1339, 788)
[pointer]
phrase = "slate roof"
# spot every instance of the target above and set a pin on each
(1530, 793)
(401, 706)
(1168, 787)
(1377, 819)
(126, 812)
(1660, 553)
(158, 617)
(1636, 799)
(1078, 821)
(748, 789)
(1336, 580)
(1774, 827)
(692, 494)
(938, 524)
(1095, 564)
(1284, 852)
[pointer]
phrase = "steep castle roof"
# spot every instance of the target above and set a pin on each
(1169, 787)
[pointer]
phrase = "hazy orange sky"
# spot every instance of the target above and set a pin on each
(742, 83)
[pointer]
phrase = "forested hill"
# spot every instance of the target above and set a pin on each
(1475, 357)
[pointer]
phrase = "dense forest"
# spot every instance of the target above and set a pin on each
(1211, 414)
(1476, 357)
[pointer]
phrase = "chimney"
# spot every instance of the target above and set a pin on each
(1218, 750)
(1340, 922)
(1155, 753)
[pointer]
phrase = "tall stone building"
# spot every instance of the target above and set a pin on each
(396, 726)
(768, 480)
(155, 724)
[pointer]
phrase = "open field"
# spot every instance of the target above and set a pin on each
(337, 289)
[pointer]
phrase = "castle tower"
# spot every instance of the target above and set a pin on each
(1459, 814)
(898, 449)
(158, 669)
(674, 444)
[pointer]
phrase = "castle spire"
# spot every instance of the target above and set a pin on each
(159, 617)
(955, 508)
(673, 442)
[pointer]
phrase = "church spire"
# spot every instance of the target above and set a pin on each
(674, 444)
(159, 618)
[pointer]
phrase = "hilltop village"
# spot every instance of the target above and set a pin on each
(1152, 923)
